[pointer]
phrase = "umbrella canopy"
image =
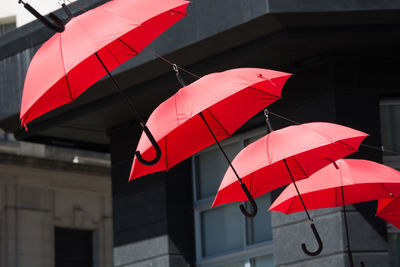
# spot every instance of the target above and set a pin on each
(69, 62)
(361, 180)
(225, 100)
(389, 210)
(301, 149)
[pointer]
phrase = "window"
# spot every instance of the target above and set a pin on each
(390, 130)
(224, 237)
(394, 246)
(7, 24)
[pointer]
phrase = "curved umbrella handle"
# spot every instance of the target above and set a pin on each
(318, 238)
(252, 202)
(362, 264)
(154, 144)
(57, 24)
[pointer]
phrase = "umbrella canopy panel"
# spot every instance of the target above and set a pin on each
(305, 149)
(361, 180)
(226, 100)
(66, 65)
(389, 210)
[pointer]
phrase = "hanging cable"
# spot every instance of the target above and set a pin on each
(382, 148)
(77, 6)
(171, 63)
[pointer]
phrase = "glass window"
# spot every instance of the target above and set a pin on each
(390, 128)
(211, 167)
(221, 229)
(259, 228)
(224, 237)
(394, 249)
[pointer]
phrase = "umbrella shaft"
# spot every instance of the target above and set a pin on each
(297, 190)
(347, 230)
(220, 147)
(122, 93)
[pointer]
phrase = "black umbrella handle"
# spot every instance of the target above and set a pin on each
(318, 238)
(154, 144)
(362, 264)
(252, 202)
(57, 24)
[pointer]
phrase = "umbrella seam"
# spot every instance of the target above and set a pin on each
(250, 183)
(220, 125)
(383, 185)
(63, 64)
(124, 18)
(336, 202)
(341, 182)
(176, 109)
(267, 148)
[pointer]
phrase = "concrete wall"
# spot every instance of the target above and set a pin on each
(153, 217)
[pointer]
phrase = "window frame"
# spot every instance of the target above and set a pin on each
(390, 160)
(247, 252)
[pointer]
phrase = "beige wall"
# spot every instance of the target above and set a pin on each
(37, 195)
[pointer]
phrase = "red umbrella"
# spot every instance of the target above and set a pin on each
(305, 148)
(218, 102)
(362, 180)
(389, 210)
(92, 45)
(285, 156)
(352, 181)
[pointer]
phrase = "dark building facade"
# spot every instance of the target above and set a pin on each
(344, 57)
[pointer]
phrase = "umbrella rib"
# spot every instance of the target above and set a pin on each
(109, 51)
(299, 165)
(119, 39)
(220, 125)
(264, 92)
(290, 205)
(347, 145)
(66, 77)
(178, 12)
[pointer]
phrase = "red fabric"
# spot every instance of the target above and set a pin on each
(65, 66)
(307, 148)
(227, 100)
(362, 180)
(389, 210)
